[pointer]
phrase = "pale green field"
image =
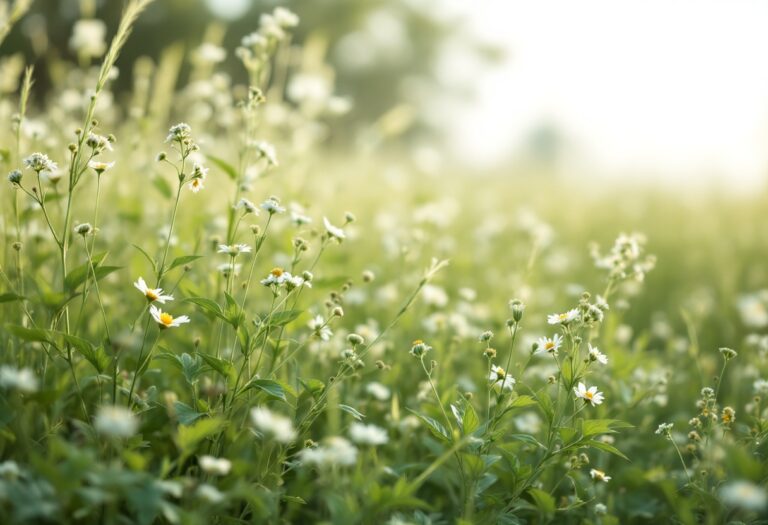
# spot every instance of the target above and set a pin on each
(359, 383)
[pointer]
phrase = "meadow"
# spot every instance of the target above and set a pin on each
(210, 315)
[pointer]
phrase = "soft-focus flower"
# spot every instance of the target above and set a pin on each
(334, 451)
(21, 379)
(272, 425)
(234, 249)
(499, 378)
(166, 320)
(152, 294)
(215, 466)
(116, 421)
(319, 326)
(596, 355)
(368, 434)
(333, 231)
(272, 206)
(549, 345)
(565, 318)
(745, 495)
(589, 395)
(599, 475)
(40, 162)
(88, 38)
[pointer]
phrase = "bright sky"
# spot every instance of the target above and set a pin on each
(674, 88)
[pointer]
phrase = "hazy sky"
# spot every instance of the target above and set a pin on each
(677, 89)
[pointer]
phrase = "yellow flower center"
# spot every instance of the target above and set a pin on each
(549, 345)
(500, 373)
(277, 272)
(152, 295)
(563, 317)
(166, 319)
(588, 394)
(417, 342)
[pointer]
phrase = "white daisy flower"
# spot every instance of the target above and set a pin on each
(152, 294)
(589, 395)
(564, 319)
(599, 475)
(210, 494)
(277, 277)
(273, 425)
(166, 320)
(320, 328)
(100, 167)
(377, 390)
(247, 206)
(368, 434)
(215, 466)
(500, 379)
(333, 231)
(549, 345)
(40, 162)
(116, 421)
(272, 206)
(234, 249)
(596, 355)
(227, 268)
(195, 185)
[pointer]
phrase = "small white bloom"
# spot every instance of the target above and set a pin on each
(179, 132)
(166, 320)
(589, 395)
(276, 277)
(266, 151)
(596, 355)
(88, 38)
(745, 495)
(664, 428)
(100, 167)
(285, 17)
(368, 434)
(228, 268)
(210, 494)
(272, 206)
(215, 466)
(500, 379)
(599, 475)
(318, 325)
(152, 294)
(377, 390)
(333, 231)
(247, 206)
(234, 249)
(208, 53)
(549, 345)
(116, 421)
(564, 319)
(334, 451)
(276, 426)
(21, 379)
(40, 162)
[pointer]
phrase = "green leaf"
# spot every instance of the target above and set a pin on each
(147, 256)
(185, 413)
(545, 403)
(180, 261)
(526, 438)
(209, 306)
(225, 368)
(78, 276)
(543, 500)
(189, 437)
(224, 166)
(30, 334)
(312, 385)
(351, 411)
(606, 448)
(10, 297)
(437, 429)
(591, 427)
(235, 315)
(270, 387)
(162, 186)
(97, 356)
(284, 317)
(471, 421)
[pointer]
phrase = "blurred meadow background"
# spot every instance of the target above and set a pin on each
(383, 261)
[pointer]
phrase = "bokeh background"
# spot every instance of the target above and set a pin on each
(652, 92)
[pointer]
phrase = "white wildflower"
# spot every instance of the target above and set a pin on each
(368, 434)
(116, 421)
(272, 425)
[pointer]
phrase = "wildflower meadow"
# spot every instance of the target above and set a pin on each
(210, 313)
